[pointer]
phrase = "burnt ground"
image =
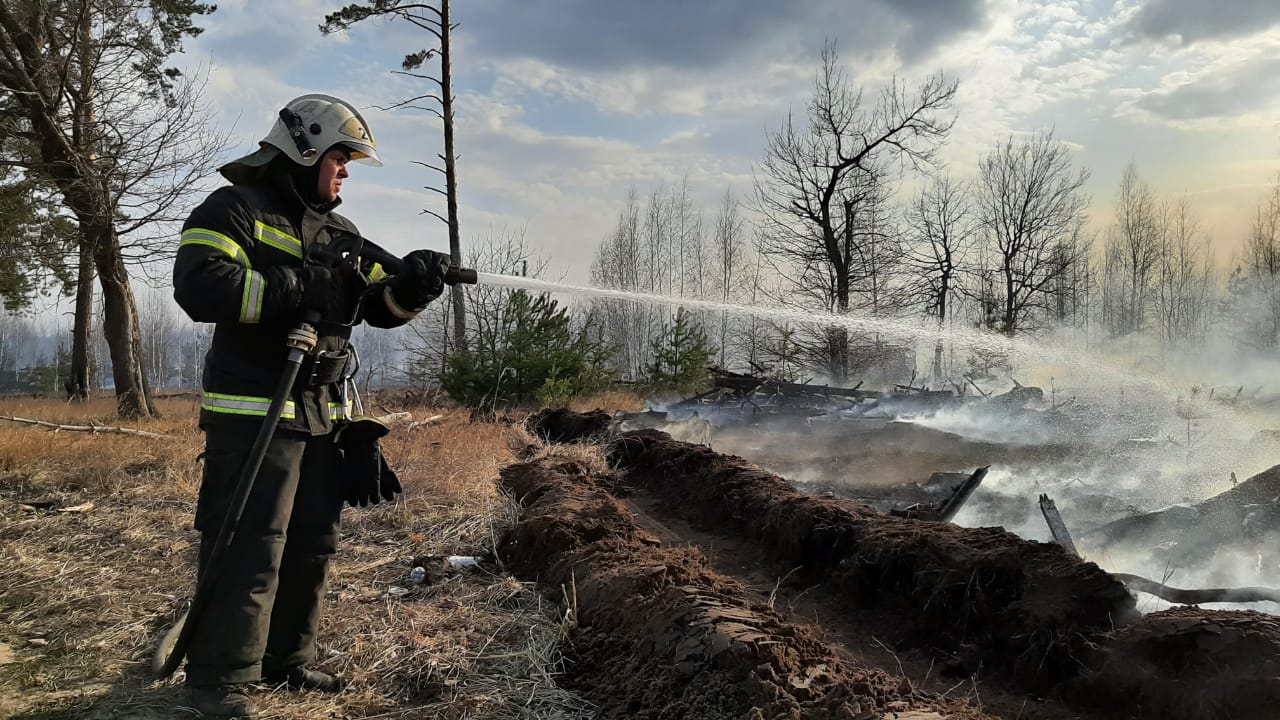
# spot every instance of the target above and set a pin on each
(1017, 629)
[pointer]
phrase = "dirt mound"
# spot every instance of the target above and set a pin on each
(661, 635)
(1246, 517)
(1187, 664)
(1263, 488)
(562, 425)
(1022, 605)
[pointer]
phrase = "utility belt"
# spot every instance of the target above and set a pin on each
(323, 367)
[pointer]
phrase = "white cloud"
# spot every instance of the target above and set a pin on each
(552, 142)
(1216, 86)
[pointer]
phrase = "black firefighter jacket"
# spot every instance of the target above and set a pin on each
(238, 267)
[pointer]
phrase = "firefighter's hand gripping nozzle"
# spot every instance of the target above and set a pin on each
(347, 243)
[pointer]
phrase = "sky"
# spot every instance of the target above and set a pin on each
(565, 105)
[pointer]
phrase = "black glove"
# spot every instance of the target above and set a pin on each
(421, 280)
(334, 292)
(365, 474)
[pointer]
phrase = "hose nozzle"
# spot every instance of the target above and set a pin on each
(456, 275)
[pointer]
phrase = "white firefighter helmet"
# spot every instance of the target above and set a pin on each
(304, 130)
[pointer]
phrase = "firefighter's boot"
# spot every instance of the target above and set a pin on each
(223, 702)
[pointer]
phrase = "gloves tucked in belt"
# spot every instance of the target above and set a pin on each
(421, 280)
(366, 477)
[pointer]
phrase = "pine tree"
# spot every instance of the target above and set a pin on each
(533, 353)
(681, 355)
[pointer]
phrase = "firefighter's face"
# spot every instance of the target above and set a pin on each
(333, 169)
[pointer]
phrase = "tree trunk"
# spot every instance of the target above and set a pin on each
(1010, 304)
(120, 326)
(451, 178)
(78, 383)
(944, 291)
(838, 338)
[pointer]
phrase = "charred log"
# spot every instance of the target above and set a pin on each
(1199, 596)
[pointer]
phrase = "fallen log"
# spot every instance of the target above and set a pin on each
(1199, 596)
(957, 500)
(947, 509)
(57, 427)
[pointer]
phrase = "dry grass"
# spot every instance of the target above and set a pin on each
(84, 596)
(610, 400)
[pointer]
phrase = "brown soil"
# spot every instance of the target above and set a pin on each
(662, 635)
(1188, 664)
(1020, 605)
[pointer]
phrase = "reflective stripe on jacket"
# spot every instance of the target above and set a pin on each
(238, 266)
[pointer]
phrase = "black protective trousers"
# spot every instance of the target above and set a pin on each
(262, 617)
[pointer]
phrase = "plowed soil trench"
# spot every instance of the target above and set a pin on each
(708, 588)
(661, 634)
(862, 637)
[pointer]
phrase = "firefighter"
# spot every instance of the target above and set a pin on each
(253, 258)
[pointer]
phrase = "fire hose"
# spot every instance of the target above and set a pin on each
(299, 341)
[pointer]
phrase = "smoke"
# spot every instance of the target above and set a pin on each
(1102, 452)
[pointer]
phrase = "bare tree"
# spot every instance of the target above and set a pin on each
(659, 236)
(731, 258)
(1134, 245)
(820, 186)
(1184, 284)
(689, 246)
(379, 356)
(1072, 288)
(194, 342)
(625, 260)
(117, 133)
(437, 101)
(160, 341)
(655, 248)
(1262, 263)
(1031, 207)
(942, 226)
